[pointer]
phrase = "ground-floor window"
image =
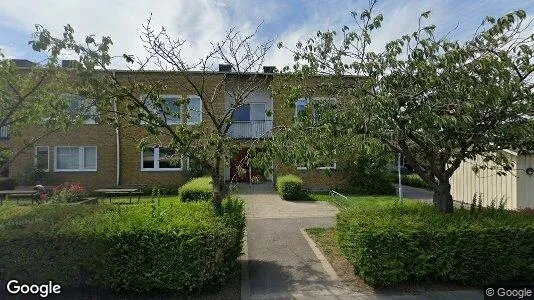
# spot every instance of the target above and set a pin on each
(161, 159)
(75, 158)
(42, 158)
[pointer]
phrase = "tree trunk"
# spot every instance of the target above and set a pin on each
(442, 198)
(219, 187)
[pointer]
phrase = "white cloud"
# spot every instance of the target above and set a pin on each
(204, 21)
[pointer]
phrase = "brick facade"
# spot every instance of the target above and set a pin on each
(104, 138)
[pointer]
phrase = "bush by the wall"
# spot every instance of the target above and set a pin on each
(171, 247)
(7, 183)
(289, 187)
(198, 189)
(415, 243)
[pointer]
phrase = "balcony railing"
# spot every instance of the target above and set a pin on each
(4, 132)
(250, 129)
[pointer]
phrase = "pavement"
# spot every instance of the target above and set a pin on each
(281, 262)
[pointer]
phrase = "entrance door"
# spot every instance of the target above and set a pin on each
(239, 169)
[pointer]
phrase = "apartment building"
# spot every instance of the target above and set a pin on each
(98, 155)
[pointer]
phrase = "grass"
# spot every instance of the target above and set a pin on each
(357, 201)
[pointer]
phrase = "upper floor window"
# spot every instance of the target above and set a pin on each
(300, 107)
(250, 112)
(83, 108)
(194, 110)
(75, 158)
(172, 110)
(318, 107)
(160, 159)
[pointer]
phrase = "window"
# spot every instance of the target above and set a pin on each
(160, 159)
(82, 107)
(194, 110)
(250, 112)
(42, 158)
(300, 107)
(173, 112)
(75, 159)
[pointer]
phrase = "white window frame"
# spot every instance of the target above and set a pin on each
(47, 158)
(143, 97)
(189, 97)
(156, 163)
(93, 109)
(81, 158)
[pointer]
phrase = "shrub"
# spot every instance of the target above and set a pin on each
(68, 192)
(32, 175)
(367, 170)
(414, 180)
(415, 243)
(289, 187)
(151, 248)
(198, 189)
(7, 183)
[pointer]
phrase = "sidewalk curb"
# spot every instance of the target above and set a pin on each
(245, 284)
(324, 262)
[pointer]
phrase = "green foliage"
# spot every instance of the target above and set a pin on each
(414, 180)
(31, 175)
(8, 183)
(290, 187)
(158, 247)
(68, 192)
(426, 96)
(367, 170)
(198, 189)
(412, 242)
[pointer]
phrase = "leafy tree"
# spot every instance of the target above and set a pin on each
(436, 100)
(31, 98)
(208, 144)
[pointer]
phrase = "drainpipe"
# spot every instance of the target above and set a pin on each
(117, 141)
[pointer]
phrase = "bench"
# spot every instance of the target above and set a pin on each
(22, 191)
(129, 190)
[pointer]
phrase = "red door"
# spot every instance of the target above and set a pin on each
(239, 167)
(239, 170)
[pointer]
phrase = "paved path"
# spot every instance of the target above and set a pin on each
(280, 263)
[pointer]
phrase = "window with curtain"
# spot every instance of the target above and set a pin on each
(71, 158)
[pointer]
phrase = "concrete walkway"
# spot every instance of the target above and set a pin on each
(279, 263)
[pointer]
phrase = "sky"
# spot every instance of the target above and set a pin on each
(201, 22)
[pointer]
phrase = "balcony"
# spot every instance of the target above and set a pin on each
(250, 129)
(4, 133)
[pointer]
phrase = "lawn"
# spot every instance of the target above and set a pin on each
(357, 201)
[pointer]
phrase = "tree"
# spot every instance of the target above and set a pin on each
(31, 97)
(437, 101)
(207, 143)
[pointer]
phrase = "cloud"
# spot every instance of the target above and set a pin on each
(204, 21)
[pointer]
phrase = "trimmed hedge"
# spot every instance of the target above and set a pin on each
(289, 187)
(413, 242)
(198, 189)
(150, 248)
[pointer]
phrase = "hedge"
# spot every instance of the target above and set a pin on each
(413, 242)
(198, 189)
(289, 187)
(181, 248)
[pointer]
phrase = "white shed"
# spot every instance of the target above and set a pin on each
(516, 188)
